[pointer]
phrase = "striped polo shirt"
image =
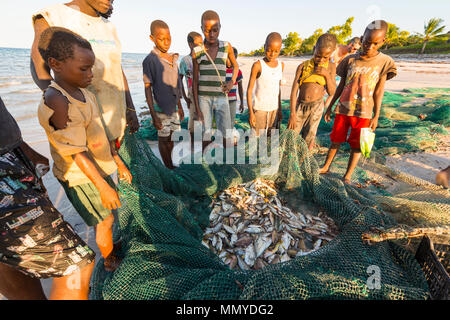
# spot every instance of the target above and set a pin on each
(209, 83)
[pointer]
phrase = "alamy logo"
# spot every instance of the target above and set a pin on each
(374, 280)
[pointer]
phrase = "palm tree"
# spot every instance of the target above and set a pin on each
(391, 34)
(432, 29)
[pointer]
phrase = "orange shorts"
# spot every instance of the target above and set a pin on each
(342, 124)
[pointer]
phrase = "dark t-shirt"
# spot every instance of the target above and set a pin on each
(362, 77)
(165, 81)
(10, 135)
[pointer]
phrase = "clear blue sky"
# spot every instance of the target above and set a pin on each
(245, 23)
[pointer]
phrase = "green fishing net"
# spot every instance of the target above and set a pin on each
(164, 214)
(410, 121)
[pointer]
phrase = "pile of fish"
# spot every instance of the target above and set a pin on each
(250, 228)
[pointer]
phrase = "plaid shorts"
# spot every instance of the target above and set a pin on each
(34, 238)
(170, 124)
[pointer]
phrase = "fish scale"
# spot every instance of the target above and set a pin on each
(250, 228)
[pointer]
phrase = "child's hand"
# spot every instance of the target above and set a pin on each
(157, 123)
(124, 173)
(241, 108)
(373, 124)
(109, 197)
(181, 114)
(227, 87)
(321, 71)
(252, 120)
(292, 122)
(132, 121)
(327, 116)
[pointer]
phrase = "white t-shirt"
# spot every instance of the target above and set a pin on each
(108, 83)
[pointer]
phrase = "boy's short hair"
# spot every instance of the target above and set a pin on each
(58, 43)
(235, 52)
(192, 35)
(210, 15)
(355, 40)
(327, 40)
(377, 25)
(158, 24)
(273, 36)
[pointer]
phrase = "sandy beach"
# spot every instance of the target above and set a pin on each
(428, 71)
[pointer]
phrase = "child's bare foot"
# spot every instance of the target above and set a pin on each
(324, 170)
(347, 181)
(112, 262)
(443, 177)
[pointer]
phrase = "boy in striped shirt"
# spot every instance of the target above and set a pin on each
(210, 89)
(232, 95)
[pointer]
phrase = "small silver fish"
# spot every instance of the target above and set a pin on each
(242, 264)
(250, 255)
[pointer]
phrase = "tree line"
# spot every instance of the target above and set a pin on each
(294, 45)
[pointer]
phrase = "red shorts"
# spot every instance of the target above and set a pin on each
(340, 130)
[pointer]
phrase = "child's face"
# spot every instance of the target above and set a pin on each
(322, 55)
(372, 40)
(211, 30)
(272, 50)
(162, 39)
(354, 48)
(198, 41)
(76, 71)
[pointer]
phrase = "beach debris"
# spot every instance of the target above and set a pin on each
(376, 183)
(250, 228)
(375, 235)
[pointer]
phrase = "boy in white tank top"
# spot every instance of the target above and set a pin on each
(265, 106)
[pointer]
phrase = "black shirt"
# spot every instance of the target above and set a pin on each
(10, 135)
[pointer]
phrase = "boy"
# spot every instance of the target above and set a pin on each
(232, 96)
(266, 74)
(343, 51)
(83, 157)
(194, 39)
(361, 92)
(313, 77)
(209, 86)
(163, 89)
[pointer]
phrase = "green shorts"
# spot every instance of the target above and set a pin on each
(86, 200)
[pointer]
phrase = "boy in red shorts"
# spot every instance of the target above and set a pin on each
(361, 90)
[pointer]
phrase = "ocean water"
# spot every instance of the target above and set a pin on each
(21, 95)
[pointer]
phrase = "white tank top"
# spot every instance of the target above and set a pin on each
(268, 87)
(107, 84)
